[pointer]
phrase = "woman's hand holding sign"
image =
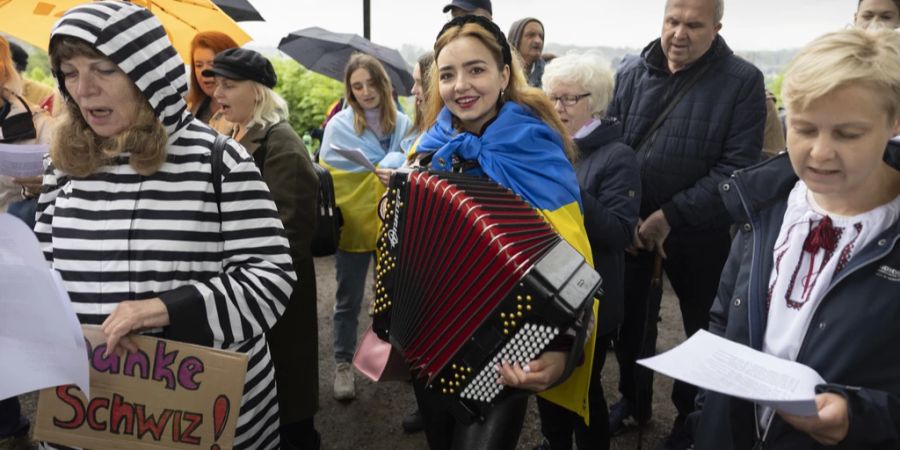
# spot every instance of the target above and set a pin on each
(131, 316)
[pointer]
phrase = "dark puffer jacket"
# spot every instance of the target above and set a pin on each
(715, 129)
(853, 340)
(609, 179)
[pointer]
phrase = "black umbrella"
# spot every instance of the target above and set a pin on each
(327, 53)
(239, 10)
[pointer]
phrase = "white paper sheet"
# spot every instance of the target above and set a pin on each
(22, 160)
(356, 155)
(41, 343)
(720, 365)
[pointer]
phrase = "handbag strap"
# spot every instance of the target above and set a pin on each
(651, 132)
(216, 163)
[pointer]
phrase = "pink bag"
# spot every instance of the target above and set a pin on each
(378, 360)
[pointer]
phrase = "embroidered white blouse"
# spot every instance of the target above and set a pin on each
(812, 248)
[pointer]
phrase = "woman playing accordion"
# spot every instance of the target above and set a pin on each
(487, 122)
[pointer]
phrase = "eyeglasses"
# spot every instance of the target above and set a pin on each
(568, 100)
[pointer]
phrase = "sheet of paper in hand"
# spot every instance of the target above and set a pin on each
(41, 343)
(717, 364)
(22, 160)
(356, 155)
(167, 395)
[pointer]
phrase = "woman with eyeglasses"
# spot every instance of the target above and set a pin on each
(580, 86)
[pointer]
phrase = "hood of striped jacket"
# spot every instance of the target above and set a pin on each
(135, 40)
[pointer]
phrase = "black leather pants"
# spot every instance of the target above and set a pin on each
(500, 429)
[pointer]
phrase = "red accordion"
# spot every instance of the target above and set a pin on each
(470, 275)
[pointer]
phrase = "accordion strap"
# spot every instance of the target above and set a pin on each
(575, 355)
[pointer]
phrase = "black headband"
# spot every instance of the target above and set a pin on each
(488, 25)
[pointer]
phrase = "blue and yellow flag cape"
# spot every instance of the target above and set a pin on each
(356, 189)
(522, 153)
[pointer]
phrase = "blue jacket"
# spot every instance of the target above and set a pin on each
(715, 129)
(609, 178)
(853, 340)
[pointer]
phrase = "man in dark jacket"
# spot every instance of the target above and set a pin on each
(715, 127)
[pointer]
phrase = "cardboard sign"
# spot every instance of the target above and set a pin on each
(167, 395)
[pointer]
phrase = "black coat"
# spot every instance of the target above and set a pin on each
(853, 340)
(288, 171)
(715, 129)
(610, 184)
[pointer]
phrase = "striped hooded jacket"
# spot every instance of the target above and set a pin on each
(116, 235)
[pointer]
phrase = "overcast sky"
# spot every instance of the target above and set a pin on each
(748, 24)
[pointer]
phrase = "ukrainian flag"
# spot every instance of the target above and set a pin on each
(356, 189)
(522, 153)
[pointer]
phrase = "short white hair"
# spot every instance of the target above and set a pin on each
(588, 70)
(718, 12)
(270, 109)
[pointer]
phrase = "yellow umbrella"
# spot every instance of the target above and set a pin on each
(32, 20)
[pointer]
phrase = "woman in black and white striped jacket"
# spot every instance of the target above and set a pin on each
(129, 215)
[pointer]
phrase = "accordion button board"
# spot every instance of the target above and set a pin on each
(470, 275)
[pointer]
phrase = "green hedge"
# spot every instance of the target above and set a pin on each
(307, 93)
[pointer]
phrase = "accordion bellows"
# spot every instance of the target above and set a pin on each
(469, 275)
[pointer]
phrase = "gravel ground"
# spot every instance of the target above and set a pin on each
(372, 421)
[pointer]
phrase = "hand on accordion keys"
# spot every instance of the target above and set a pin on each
(537, 375)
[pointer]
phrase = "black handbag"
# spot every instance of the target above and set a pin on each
(329, 219)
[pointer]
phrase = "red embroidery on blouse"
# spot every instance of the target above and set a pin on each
(779, 255)
(824, 236)
(848, 249)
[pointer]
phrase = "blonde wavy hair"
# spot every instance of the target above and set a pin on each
(76, 150)
(850, 56)
(270, 109)
(517, 90)
(387, 109)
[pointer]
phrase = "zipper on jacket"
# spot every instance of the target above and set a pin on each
(761, 435)
(753, 286)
